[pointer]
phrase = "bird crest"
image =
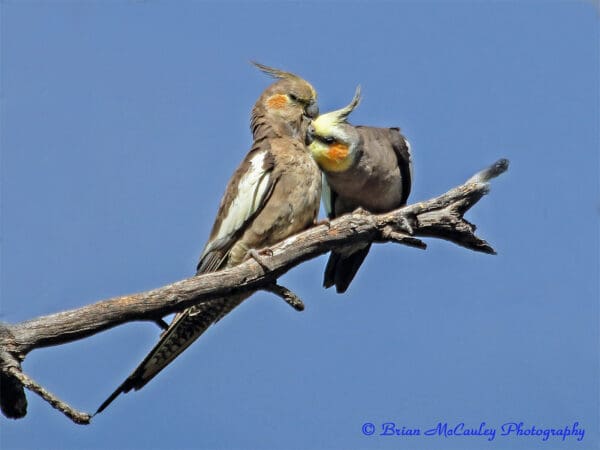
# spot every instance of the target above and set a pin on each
(275, 73)
(283, 75)
(331, 119)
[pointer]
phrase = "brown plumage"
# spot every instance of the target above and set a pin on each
(273, 194)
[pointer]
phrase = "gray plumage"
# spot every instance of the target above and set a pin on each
(364, 167)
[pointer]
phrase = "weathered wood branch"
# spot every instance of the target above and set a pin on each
(440, 217)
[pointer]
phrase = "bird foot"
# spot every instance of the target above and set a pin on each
(405, 225)
(389, 235)
(257, 255)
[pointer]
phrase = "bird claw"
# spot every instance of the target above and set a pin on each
(389, 235)
(405, 225)
(257, 255)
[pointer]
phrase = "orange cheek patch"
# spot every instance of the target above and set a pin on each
(337, 151)
(277, 101)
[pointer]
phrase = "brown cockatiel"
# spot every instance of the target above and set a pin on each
(273, 194)
(364, 167)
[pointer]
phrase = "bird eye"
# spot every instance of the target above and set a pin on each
(329, 140)
(293, 97)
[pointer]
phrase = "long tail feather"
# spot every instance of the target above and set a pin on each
(185, 329)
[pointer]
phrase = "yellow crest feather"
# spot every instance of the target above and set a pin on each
(325, 122)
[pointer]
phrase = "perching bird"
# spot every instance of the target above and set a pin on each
(273, 194)
(364, 167)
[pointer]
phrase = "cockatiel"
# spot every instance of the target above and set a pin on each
(273, 194)
(364, 167)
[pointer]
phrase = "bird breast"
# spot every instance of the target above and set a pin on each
(292, 206)
(373, 182)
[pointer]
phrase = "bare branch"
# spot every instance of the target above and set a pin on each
(440, 217)
(288, 296)
(71, 413)
(389, 235)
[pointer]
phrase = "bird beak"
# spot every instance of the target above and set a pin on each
(312, 110)
(310, 135)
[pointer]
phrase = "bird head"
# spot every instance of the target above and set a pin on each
(332, 141)
(286, 106)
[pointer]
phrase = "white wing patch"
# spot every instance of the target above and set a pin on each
(251, 190)
(410, 164)
(326, 195)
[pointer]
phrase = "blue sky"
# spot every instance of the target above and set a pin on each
(121, 124)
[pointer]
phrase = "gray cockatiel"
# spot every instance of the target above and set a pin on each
(273, 194)
(364, 167)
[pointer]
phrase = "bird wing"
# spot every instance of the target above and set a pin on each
(329, 196)
(246, 194)
(401, 147)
